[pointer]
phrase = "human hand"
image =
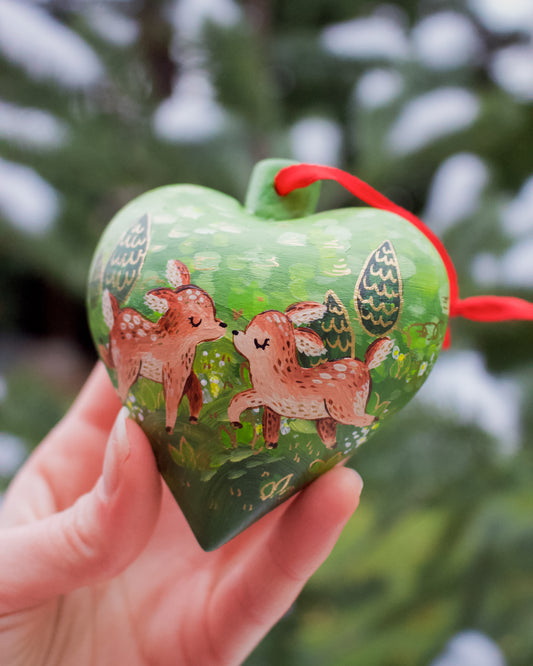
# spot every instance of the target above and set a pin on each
(98, 565)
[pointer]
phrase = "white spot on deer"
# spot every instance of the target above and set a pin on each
(137, 320)
(340, 367)
(276, 318)
(341, 375)
(131, 325)
(146, 325)
(180, 298)
(153, 337)
(141, 333)
(123, 325)
(127, 317)
(201, 299)
(317, 381)
(192, 297)
(325, 375)
(269, 318)
(128, 336)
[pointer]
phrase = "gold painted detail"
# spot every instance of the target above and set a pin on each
(127, 259)
(273, 489)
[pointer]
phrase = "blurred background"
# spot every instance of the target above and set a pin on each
(428, 100)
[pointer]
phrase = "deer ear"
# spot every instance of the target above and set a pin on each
(177, 273)
(158, 299)
(308, 342)
(305, 312)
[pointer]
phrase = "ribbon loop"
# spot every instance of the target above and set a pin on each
(477, 308)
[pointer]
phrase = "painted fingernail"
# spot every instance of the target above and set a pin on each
(117, 452)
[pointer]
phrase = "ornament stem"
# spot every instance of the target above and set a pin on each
(262, 199)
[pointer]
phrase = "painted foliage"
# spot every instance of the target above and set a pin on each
(250, 361)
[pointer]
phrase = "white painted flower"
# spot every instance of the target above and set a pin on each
(396, 352)
(422, 368)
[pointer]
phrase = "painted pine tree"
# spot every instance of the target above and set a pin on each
(128, 257)
(335, 330)
(378, 292)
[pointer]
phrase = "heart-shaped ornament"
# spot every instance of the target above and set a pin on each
(257, 346)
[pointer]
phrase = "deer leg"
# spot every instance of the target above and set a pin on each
(193, 390)
(327, 431)
(359, 406)
(352, 409)
(271, 425)
(173, 384)
(127, 375)
(246, 400)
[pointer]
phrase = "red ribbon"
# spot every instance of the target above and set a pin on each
(477, 308)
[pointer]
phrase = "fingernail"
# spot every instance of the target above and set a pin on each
(117, 452)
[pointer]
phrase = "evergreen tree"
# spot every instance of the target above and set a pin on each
(378, 292)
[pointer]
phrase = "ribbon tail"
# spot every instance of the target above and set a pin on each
(493, 308)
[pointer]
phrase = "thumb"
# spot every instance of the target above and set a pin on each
(96, 538)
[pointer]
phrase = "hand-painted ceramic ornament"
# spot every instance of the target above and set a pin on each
(259, 345)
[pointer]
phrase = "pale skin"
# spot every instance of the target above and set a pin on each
(98, 565)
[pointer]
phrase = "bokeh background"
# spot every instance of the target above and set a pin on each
(428, 100)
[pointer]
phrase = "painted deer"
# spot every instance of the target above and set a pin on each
(162, 351)
(333, 392)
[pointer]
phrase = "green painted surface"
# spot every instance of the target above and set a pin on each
(225, 478)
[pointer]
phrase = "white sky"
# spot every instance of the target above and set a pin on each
(27, 201)
(445, 40)
(366, 38)
(432, 116)
(471, 648)
(111, 25)
(378, 87)
(455, 190)
(12, 454)
(45, 48)
(316, 140)
(461, 386)
(30, 127)
(191, 114)
(504, 15)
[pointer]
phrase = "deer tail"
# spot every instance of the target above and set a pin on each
(377, 352)
(105, 355)
(110, 308)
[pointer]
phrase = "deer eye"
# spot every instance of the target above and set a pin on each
(193, 323)
(261, 345)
